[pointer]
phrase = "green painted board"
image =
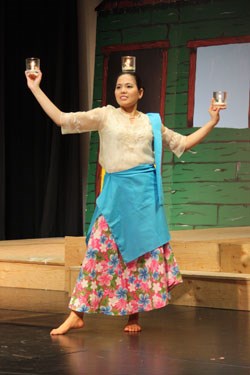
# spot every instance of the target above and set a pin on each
(234, 215)
(207, 192)
(219, 152)
(192, 214)
(149, 34)
(223, 10)
(107, 39)
(122, 21)
(199, 172)
(243, 171)
(179, 36)
(176, 121)
(170, 15)
(177, 103)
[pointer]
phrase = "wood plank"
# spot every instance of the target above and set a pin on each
(42, 250)
(33, 241)
(211, 153)
(200, 172)
(154, 33)
(74, 272)
(216, 275)
(235, 257)
(211, 292)
(36, 300)
(197, 255)
(219, 192)
(230, 215)
(75, 249)
(215, 235)
(47, 254)
(193, 215)
(32, 276)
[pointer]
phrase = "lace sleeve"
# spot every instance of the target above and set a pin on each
(175, 142)
(80, 122)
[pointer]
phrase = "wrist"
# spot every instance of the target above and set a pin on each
(35, 90)
(213, 122)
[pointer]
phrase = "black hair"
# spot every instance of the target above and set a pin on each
(138, 80)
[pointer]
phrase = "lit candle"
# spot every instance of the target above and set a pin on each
(128, 63)
(32, 65)
(220, 97)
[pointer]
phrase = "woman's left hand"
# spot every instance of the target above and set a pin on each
(214, 111)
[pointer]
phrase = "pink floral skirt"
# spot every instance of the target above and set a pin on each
(106, 284)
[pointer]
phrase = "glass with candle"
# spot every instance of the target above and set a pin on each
(128, 64)
(32, 66)
(220, 98)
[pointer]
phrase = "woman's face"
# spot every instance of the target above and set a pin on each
(127, 93)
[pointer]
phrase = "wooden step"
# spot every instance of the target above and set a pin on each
(40, 263)
(216, 275)
(235, 257)
(225, 290)
(37, 300)
(232, 234)
(40, 251)
(33, 276)
(33, 263)
(213, 256)
(218, 249)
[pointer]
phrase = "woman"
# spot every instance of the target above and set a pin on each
(129, 265)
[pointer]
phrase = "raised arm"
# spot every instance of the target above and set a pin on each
(196, 137)
(33, 83)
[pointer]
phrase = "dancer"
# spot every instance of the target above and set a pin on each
(129, 265)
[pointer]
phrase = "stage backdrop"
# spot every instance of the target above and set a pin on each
(209, 186)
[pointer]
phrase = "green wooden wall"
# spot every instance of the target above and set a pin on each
(210, 185)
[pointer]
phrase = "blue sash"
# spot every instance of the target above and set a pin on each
(132, 204)
(155, 121)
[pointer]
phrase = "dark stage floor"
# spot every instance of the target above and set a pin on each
(175, 341)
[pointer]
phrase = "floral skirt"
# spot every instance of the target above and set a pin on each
(106, 284)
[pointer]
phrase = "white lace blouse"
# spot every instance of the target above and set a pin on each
(123, 144)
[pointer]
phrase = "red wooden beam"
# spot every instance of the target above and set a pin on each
(123, 4)
(218, 41)
(134, 46)
(163, 84)
(191, 86)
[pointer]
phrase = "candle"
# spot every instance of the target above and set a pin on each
(128, 63)
(32, 64)
(219, 97)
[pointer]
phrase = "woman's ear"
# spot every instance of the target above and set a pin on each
(141, 92)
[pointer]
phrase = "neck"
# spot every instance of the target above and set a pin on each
(130, 112)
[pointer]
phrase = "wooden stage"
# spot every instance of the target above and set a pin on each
(215, 264)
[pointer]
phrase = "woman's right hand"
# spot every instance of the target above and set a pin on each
(33, 79)
(33, 82)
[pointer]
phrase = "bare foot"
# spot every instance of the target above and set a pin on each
(74, 320)
(133, 325)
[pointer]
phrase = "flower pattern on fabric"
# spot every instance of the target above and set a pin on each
(106, 284)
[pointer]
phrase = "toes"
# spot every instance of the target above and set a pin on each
(132, 328)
